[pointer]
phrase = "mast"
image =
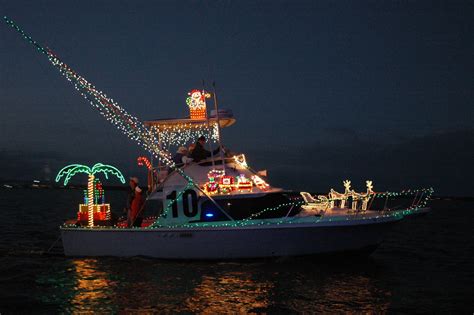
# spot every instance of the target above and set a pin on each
(208, 127)
(216, 107)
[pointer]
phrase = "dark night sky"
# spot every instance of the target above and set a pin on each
(376, 89)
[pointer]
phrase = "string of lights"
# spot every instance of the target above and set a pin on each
(181, 134)
(111, 110)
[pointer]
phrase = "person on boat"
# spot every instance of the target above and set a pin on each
(134, 203)
(199, 153)
(191, 149)
(181, 157)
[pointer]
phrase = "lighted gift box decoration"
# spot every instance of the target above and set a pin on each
(197, 104)
(101, 212)
(100, 208)
(243, 183)
(227, 184)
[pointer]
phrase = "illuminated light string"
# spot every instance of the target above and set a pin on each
(107, 107)
(129, 124)
(90, 204)
(182, 134)
(252, 222)
(72, 169)
(244, 222)
(267, 222)
(25, 36)
(298, 203)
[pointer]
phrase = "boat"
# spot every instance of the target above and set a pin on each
(253, 222)
(219, 207)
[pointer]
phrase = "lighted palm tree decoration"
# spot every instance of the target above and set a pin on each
(70, 170)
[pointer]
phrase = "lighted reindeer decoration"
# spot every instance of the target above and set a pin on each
(365, 200)
(334, 195)
(365, 197)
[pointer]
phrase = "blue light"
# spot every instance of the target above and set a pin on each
(209, 215)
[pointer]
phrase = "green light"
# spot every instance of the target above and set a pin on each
(73, 169)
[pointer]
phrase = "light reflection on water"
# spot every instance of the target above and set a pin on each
(234, 292)
(93, 286)
(146, 285)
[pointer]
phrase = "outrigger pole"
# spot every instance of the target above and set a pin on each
(130, 125)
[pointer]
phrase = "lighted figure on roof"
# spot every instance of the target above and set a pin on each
(197, 104)
(226, 184)
(70, 170)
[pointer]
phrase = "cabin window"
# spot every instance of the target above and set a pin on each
(242, 208)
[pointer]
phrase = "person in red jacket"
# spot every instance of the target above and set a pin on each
(134, 203)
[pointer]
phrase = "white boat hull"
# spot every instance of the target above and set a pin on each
(228, 242)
